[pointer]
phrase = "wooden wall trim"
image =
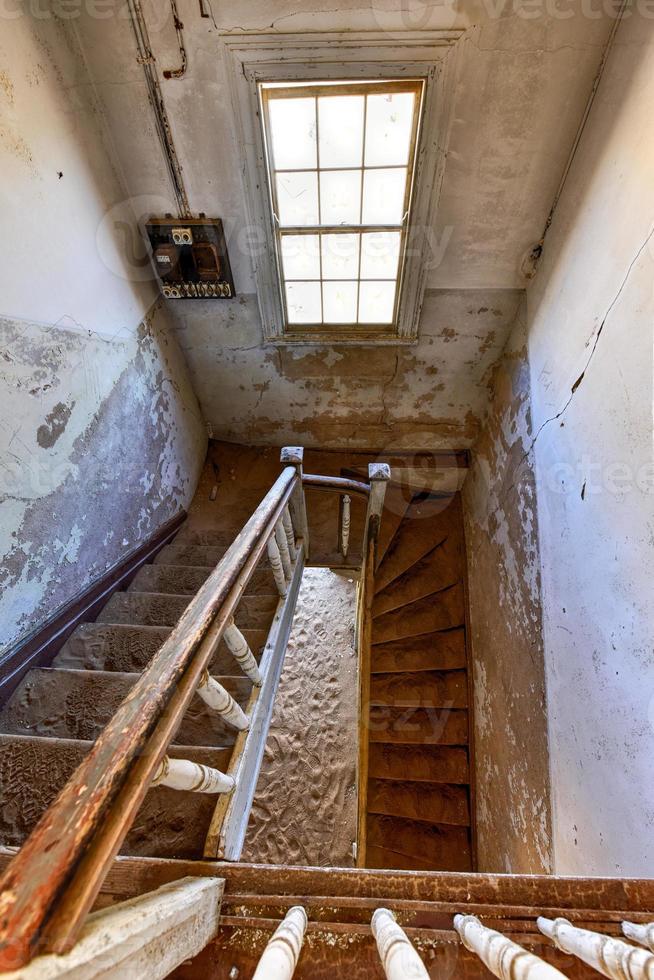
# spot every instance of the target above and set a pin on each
(39, 647)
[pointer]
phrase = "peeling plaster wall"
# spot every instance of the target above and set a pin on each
(523, 78)
(510, 723)
(591, 343)
(101, 444)
(430, 395)
(101, 439)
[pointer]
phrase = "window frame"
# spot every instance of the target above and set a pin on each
(314, 89)
(365, 56)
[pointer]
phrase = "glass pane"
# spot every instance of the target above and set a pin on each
(339, 302)
(383, 196)
(389, 123)
(340, 256)
(376, 302)
(293, 129)
(301, 256)
(380, 252)
(303, 302)
(340, 121)
(340, 197)
(297, 199)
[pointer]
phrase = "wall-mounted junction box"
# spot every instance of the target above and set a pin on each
(190, 258)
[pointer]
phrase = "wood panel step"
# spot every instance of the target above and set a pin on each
(33, 770)
(397, 843)
(443, 611)
(397, 501)
(206, 537)
(433, 689)
(433, 803)
(418, 726)
(427, 524)
(103, 646)
(77, 704)
(418, 763)
(444, 650)
(187, 579)
(189, 554)
(155, 609)
(440, 569)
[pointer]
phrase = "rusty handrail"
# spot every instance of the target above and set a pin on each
(338, 484)
(36, 878)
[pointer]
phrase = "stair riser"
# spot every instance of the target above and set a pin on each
(444, 611)
(435, 651)
(424, 689)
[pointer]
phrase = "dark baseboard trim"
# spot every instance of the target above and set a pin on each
(38, 649)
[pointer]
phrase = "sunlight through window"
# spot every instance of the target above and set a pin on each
(340, 164)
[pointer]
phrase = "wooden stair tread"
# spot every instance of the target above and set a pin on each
(121, 647)
(443, 611)
(421, 726)
(187, 579)
(433, 803)
(33, 770)
(161, 609)
(427, 523)
(445, 650)
(440, 689)
(77, 704)
(413, 845)
(439, 569)
(419, 763)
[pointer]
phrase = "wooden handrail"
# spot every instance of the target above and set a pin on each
(41, 870)
(337, 484)
(379, 475)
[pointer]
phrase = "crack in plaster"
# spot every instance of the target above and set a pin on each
(582, 376)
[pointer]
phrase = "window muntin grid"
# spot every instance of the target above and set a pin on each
(340, 164)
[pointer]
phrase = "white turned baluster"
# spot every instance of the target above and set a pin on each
(240, 651)
(399, 958)
(287, 521)
(276, 564)
(503, 957)
(280, 956)
(640, 934)
(345, 526)
(186, 775)
(221, 701)
(610, 957)
(282, 544)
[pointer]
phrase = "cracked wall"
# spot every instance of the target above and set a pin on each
(101, 438)
(591, 342)
(510, 723)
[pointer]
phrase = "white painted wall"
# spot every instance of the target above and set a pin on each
(62, 259)
(101, 436)
(591, 315)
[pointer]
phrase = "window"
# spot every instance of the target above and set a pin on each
(340, 159)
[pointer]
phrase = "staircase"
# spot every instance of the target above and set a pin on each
(418, 808)
(52, 719)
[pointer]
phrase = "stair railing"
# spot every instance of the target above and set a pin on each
(51, 884)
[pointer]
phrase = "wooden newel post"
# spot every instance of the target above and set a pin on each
(294, 456)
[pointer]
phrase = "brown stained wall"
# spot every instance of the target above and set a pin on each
(511, 748)
(101, 443)
(429, 395)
